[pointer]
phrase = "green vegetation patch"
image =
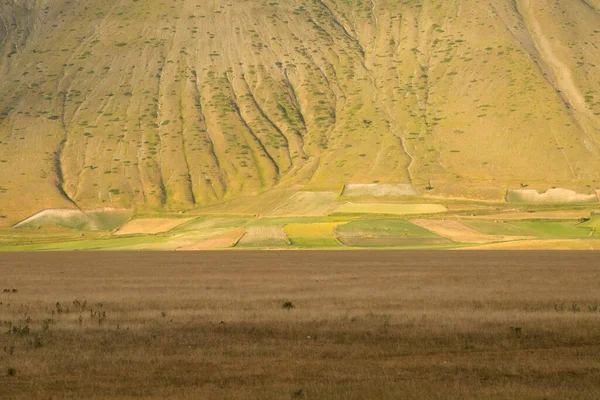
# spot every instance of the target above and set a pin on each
(387, 233)
(395, 242)
(72, 219)
(383, 228)
(311, 230)
(536, 228)
(94, 244)
(109, 220)
(101, 219)
(593, 223)
(301, 241)
(280, 221)
(262, 243)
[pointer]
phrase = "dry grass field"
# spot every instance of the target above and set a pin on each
(151, 225)
(390, 208)
(291, 325)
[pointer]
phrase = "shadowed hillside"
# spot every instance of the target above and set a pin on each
(173, 105)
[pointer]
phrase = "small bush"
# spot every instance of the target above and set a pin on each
(517, 330)
(19, 330)
(37, 342)
(11, 372)
(288, 305)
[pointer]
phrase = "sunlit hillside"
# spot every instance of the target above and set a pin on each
(176, 105)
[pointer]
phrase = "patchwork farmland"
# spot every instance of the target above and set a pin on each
(299, 199)
(321, 220)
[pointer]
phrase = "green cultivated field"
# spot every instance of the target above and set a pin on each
(537, 228)
(388, 233)
(355, 230)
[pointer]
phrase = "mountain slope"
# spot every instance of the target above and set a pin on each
(174, 105)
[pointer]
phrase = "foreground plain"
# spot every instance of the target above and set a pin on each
(300, 325)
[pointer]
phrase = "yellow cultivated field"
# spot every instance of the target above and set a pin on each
(384, 208)
(458, 232)
(151, 225)
(311, 229)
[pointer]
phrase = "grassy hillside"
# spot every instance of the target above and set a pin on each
(168, 106)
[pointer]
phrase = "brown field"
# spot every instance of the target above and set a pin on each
(458, 232)
(364, 325)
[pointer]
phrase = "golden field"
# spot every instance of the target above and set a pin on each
(291, 325)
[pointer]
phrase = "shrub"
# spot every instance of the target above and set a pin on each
(288, 305)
